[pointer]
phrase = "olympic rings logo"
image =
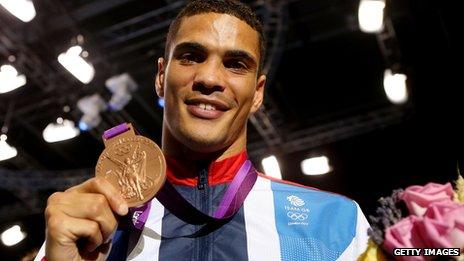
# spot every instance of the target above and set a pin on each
(123, 149)
(297, 216)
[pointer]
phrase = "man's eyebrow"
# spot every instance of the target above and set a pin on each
(192, 46)
(242, 54)
(195, 46)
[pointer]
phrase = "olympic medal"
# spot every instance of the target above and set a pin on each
(134, 165)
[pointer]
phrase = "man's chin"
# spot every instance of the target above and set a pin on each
(205, 146)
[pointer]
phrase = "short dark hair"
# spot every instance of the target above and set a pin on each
(230, 7)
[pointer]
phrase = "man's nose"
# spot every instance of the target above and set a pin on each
(209, 77)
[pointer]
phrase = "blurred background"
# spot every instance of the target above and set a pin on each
(362, 96)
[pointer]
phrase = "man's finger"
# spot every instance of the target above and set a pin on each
(73, 229)
(102, 186)
(93, 207)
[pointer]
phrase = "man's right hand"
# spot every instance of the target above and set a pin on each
(81, 220)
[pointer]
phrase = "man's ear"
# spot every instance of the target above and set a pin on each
(159, 80)
(259, 93)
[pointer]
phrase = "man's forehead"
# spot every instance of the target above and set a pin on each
(222, 31)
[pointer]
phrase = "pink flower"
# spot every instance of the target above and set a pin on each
(443, 225)
(418, 198)
(404, 234)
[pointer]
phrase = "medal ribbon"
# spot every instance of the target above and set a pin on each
(231, 201)
(172, 200)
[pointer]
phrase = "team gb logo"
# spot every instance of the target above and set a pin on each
(295, 201)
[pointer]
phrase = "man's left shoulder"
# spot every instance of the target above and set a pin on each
(327, 220)
(299, 194)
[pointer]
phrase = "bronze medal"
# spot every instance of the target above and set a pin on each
(134, 165)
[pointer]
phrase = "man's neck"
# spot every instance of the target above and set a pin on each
(175, 149)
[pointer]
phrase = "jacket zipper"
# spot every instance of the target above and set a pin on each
(203, 205)
(202, 179)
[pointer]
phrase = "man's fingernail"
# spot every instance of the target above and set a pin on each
(123, 209)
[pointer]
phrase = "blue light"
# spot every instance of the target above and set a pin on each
(83, 126)
(161, 102)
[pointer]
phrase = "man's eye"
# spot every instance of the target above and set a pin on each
(235, 64)
(190, 57)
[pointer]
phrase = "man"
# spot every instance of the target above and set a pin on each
(211, 80)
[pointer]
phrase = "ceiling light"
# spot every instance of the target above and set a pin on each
(59, 131)
(394, 85)
(161, 102)
(316, 166)
(9, 79)
(88, 121)
(370, 15)
(83, 126)
(12, 236)
(22, 9)
(271, 167)
(6, 151)
(76, 65)
(90, 106)
(121, 86)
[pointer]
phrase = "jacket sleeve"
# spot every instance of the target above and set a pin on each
(359, 243)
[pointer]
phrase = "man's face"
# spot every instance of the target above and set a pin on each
(210, 82)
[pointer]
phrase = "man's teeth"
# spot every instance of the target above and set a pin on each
(207, 107)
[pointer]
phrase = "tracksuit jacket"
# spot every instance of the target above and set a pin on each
(278, 220)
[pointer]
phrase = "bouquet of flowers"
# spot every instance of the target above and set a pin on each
(419, 223)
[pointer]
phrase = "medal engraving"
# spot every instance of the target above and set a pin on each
(132, 172)
(135, 166)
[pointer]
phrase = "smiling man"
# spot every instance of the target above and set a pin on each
(214, 205)
(210, 80)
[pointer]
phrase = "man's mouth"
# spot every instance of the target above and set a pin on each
(206, 108)
(209, 103)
